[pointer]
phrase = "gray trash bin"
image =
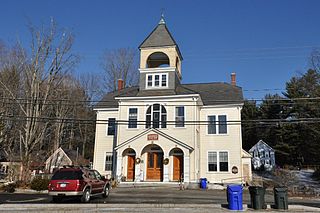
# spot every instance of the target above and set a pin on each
(257, 197)
(280, 197)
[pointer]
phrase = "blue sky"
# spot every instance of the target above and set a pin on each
(265, 42)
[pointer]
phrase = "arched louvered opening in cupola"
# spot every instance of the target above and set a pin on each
(158, 59)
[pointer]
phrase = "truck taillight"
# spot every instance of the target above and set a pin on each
(79, 183)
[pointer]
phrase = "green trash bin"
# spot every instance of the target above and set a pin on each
(280, 198)
(257, 197)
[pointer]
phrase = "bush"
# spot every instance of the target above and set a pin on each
(316, 174)
(39, 183)
(10, 188)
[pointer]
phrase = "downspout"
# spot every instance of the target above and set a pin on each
(195, 141)
(114, 152)
(240, 141)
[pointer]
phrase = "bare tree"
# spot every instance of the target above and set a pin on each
(92, 85)
(315, 60)
(41, 73)
(10, 73)
(120, 64)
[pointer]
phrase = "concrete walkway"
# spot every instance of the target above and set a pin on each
(177, 208)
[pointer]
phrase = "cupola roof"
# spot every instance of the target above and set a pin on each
(159, 37)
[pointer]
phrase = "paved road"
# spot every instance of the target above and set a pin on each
(150, 196)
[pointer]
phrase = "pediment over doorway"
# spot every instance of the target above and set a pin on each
(154, 134)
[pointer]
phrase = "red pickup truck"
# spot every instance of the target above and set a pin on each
(77, 181)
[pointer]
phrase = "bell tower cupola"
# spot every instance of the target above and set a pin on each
(160, 60)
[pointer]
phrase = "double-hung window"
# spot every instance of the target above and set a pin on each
(108, 162)
(180, 116)
(211, 124)
(133, 118)
(223, 161)
(222, 120)
(157, 80)
(212, 162)
(218, 161)
(149, 83)
(163, 80)
(217, 124)
(111, 126)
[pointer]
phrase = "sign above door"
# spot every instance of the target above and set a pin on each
(152, 137)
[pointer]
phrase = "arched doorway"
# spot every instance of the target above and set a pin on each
(177, 164)
(130, 154)
(154, 162)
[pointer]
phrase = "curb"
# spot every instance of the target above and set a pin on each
(142, 205)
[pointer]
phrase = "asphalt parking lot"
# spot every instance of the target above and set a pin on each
(148, 197)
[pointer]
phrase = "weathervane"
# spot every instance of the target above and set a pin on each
(162, 17)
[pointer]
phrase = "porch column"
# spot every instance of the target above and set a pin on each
(166, 170)
(186, 169)
(119, 167)
(137, 170)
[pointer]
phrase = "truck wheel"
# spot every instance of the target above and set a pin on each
(85, 198)
(106, 191)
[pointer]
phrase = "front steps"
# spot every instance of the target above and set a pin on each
(149, 184)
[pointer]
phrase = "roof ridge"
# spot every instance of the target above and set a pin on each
(217, 82)
(226, 83)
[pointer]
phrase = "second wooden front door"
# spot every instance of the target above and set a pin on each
(130, 171)
(155, 166)
(177, 167)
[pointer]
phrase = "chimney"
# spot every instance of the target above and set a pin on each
(120, 84)
(233, 79)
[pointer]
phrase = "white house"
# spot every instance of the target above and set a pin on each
(263, 155)
(64, 157)
(163, 130)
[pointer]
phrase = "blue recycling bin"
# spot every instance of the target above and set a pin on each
(203, 183)
(234, 197)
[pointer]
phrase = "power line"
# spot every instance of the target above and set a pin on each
(64, 102)
(168, 122)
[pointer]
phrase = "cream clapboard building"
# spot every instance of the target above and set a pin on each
(165, 131)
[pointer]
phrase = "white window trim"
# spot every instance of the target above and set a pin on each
(105, 161)
(160, 81)
(175, 114)
(208, 161)
(217, 125)
(145, 114)
(218, 161)
(128, 112)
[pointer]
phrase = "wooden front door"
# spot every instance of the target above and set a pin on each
(131, 164)
(155, 166)
(177, 167)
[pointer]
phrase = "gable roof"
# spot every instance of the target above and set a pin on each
(216, 93)
(245, 154)
(158, 132)
(60, 149)
(70, 154)
(260, 142)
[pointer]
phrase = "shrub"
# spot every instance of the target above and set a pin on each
(10, 188)
(316, 174)
(39, 183)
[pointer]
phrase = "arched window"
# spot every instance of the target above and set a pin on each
(156, 116)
